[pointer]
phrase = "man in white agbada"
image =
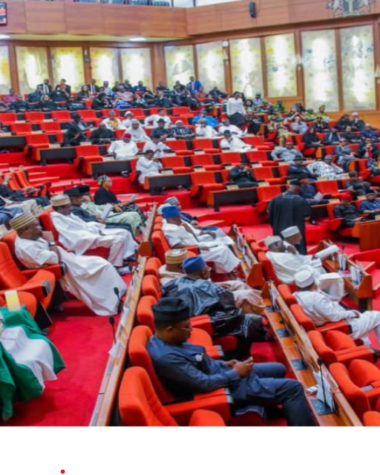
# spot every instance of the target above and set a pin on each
(90, 279)
(204, 130)
(243, 295)
(78, 236)
(321, 309)
(152, 120)
(180, 234)
(127, 122)
(159, 148)
(234, 129)
(137, 132)
(287, 262)
(148, 165)
(233, 143)
(123, 149)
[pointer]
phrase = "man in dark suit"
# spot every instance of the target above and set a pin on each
(102, 135)
(46, 87)
(19, 105)
(93, 88)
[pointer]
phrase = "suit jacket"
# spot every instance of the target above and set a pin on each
(90, 86)
(43, 87)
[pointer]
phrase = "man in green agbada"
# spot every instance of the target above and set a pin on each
(27, 360)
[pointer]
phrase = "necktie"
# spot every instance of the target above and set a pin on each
(369, 152)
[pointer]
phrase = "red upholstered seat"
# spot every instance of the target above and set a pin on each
(335, 346)
(268, 269)
(177, 164)
(35, 142)
(140, 406)
(39, 282)
(206, 161)
(208, 145)
(308, 324)
(152, 265)
(61, 115)
(21, 129)
(371, 419)
(203, 183)
(287, 295)
(267, 174)
(266, 194)
(360, 383)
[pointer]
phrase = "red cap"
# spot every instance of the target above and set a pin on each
(346, 196)
(128, 136)
(289, 141)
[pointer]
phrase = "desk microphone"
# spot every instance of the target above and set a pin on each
(111, 318)
(320, 363)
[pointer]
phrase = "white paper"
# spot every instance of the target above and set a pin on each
(342, 262)
(124, 316)
(106, 211)
(324, 393)
(318, 196)
(113, 351)
(327, 252)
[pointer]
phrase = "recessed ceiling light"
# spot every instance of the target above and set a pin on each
(138, 38)
(4, 37)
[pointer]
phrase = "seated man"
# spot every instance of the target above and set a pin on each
(357, 123)
(102, 135)
(210, 120)
(344, 153)
(179, 131)
(161, 131)
(356, 185)
(297, 169)
(235, 130)
(368, 150)
(350, 136)
(188, 218)
(347, 211)
(371, 205)
(152, 120)
(246, 298)
(243, 176)
(127, 122)
(322, 310)
(185, 369)
(148, 165)
(28, 360)
(19, 105)
(233, 143)
(159, 148)
(310, 193)
(333, 137)
(124, 149)
(137, 132)
(77, 199)
(369, 133)
(21, 197)
(90, 279)
(285, 262)
(325, 168)
(118, 216)
(78, 236)
(180, 234)
(287, 153)
(204, 130)
(204, 297)
(112, 122)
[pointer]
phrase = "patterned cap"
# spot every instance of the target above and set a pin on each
(21, 221)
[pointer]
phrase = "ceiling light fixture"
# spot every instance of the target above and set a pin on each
(4, 37)
(138, 38)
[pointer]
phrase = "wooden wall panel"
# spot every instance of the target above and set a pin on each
(81, 21)
(16, 18)
(43, 20)
(115, 20)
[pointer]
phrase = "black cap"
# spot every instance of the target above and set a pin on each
(83, 189)
(76, 116)
(72, 192)
(294, 183)
(170, 310)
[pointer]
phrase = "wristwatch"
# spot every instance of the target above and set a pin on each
(52, 244)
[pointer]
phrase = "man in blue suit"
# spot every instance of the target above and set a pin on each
(186, 370)
(194, 85)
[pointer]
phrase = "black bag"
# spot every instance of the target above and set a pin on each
(253, 328)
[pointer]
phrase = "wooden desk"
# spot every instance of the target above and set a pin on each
(60, 154)
(368, 234)
(167, 181)
(224, 197)
(111, 166)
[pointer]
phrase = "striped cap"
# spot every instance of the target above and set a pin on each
(60, 200)
(175, 256)
(21, 221)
